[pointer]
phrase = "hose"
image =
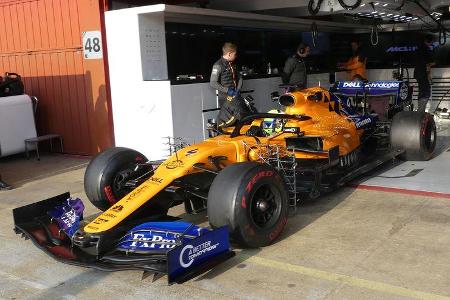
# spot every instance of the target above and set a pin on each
(350, 7)
(374, 35)
(400, 6)
(314, 33)
(314, 11)
(442, 30)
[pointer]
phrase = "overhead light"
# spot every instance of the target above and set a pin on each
(397, 16)
(376, 3)
(384, 5)
(389, 15)
(362, 5)
(374, 12)
(415, 18)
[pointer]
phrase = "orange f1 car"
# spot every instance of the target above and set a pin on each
(250, 176)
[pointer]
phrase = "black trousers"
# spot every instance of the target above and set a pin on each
(424, 87)
(222, 99)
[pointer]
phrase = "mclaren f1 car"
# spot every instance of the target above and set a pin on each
(247, 177)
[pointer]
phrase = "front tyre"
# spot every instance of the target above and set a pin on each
(107, 173)
(251, 198)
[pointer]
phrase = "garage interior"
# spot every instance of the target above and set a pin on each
(384, 235)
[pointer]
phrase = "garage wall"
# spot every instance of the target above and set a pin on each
(42, 41)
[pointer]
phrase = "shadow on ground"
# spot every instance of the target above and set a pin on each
(306, 213)
(16, 170)
(75, 285)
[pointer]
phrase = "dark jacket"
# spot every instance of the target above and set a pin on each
(294, 71)
(224, 74)
(232, 111)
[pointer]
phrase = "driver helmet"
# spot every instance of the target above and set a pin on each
(273, 125)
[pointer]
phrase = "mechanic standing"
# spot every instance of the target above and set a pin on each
(356, 65)
(224, 75)
(295, 70)
(422, 71)
(227, 81)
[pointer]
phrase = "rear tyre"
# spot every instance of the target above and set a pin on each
(414, 132)
(251, 198)
(106, 174)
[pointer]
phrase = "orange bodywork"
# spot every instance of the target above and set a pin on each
(334, 129)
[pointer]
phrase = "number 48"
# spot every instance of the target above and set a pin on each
(92, 44)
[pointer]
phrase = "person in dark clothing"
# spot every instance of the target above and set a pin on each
(227, 81)
(295, 71)
(224, 75)
(422, 71)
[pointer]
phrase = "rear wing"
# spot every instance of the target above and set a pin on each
(398, 89)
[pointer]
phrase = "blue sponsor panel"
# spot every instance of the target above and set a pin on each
(193, 253)
(398, 89)
(159, 236)
(365, 122)
(68, 215)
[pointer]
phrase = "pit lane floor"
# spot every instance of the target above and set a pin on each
(430, 178)
(351, 244)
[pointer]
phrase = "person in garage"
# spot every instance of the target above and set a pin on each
(224, 75)
(356, 65)
(227, 81)
(295, 69)
(422, 71)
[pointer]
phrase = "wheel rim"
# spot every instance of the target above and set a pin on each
(265, 206)
(118, 186)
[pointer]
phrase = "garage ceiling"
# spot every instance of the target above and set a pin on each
(382, 11)
(401, 14)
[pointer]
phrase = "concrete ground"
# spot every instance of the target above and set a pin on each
(351, 244)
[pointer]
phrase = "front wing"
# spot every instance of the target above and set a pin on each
(33, 222)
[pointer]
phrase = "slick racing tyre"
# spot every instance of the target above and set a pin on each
(251, 198)
(106, 174)
(414, 132)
